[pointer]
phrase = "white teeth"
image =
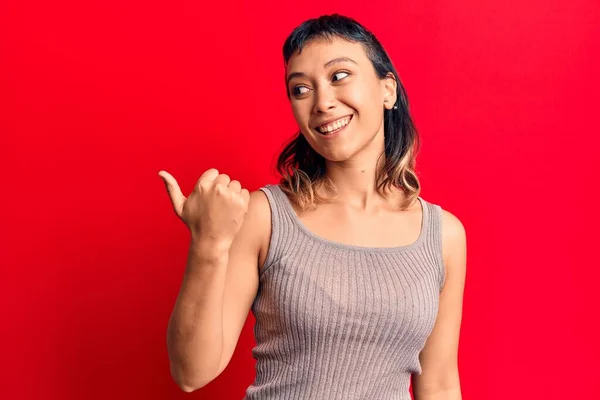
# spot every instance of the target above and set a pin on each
(334, 125)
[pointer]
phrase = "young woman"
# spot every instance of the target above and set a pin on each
(356, 282)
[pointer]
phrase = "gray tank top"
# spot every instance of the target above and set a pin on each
(337, 321)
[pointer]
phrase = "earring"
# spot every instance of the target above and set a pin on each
(386, 100)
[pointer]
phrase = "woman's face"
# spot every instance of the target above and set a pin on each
(338, 99)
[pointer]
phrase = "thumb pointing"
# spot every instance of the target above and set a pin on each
(174, 191)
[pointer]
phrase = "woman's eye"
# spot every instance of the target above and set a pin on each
(340, 73)
(298, 90)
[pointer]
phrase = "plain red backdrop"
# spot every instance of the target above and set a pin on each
(97, 97)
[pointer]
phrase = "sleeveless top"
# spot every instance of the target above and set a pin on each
(338, 321)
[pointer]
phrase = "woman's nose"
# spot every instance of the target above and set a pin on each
(324, 100)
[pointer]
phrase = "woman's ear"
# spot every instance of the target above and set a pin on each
(389, 86)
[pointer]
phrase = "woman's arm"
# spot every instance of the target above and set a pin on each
(439, 379)
(215, 298)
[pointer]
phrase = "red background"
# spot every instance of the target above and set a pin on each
(97, 97)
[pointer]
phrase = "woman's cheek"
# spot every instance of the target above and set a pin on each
(354, 97)
(298, 117)
(301, 113)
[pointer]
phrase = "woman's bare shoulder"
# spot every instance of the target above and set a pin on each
(258, 219)
(454, 238)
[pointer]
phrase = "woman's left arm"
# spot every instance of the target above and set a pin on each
(439, 379)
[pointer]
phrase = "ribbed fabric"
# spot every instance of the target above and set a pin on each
(336, 321)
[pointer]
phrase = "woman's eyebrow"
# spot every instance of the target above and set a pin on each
(338, 60)
(327, 64)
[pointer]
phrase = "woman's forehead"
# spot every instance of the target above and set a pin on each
(317, 53)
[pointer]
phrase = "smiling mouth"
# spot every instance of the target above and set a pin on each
(333, 127)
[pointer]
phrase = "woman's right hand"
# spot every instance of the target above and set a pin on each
(214, 210)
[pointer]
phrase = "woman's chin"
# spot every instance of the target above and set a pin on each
(337, 155)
